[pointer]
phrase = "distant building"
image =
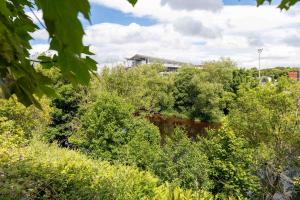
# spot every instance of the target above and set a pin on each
(294, 75)
(170, 65)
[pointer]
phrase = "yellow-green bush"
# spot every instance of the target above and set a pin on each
(169, 192)
(40, 171)
(29, 119)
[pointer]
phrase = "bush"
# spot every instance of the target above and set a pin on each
(40, 171)
(232, 164)
(171, 192)
(29, 119)
(111, 132)
(182, 162)
(18, 124)
(11, 136)
(141, 86)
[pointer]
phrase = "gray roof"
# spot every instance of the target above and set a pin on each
(140, 57)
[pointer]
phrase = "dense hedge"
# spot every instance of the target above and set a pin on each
(40, 171)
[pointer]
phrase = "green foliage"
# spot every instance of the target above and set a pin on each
(171, 192)
(243, 77)
(261, 141)
(142, 86)
(111, 132)
(18, 76)
(183, 163)
(209, 103)
(47, 172)
(30, 119)
(40, 171)
(61, 20)
(231, 164)
(66, 111)
(201, 94)
(284, 4)
(268, 117)
(269, 114)
(133, 2)
(12, 135)
(66, 33)
(185, 91)
(277, 72)
(220, 71)
(19, 124)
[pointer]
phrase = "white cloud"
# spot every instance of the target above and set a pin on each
(212, 5)
(112, 42)
(38, 48)
(197, 35)
(191, 27)
(35, 16)
(40, 34)
(293, 40)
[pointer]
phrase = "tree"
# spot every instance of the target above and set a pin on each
(185, 92)
(183, 163)
(269, 114)
(111, 132)
(199, 94)
(142, 86)
(220, 71)
(65, 113)
(231, 164)
(268, 117)
(30, 119)
(17, 74)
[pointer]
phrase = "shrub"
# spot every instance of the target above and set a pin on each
(40, 171)
(11, 136)
(171, 192)
(29, 119)
(111, 132)
(232, 164)
(182, 162)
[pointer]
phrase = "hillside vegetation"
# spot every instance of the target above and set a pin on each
(88, 142)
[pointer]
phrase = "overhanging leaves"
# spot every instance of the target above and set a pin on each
(284, 4)
(133, 2)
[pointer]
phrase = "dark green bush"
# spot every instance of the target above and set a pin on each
(182, 162)
(231, 163)
(111, 132)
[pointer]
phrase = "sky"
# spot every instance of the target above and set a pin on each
(193, 31)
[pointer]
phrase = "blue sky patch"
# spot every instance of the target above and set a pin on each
(101, 14)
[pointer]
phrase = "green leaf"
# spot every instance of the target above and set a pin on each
(286, 4)
(3, 8)
(133, 2)
(260, 2)
(66, 34)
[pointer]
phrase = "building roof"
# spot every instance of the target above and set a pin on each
(140, 57)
